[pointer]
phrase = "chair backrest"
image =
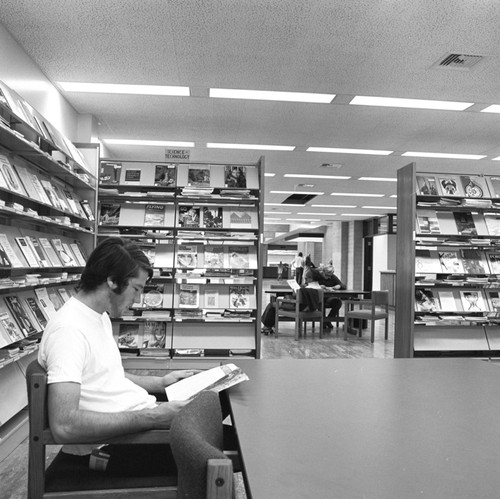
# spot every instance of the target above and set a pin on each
(196, 438)
(380, 297)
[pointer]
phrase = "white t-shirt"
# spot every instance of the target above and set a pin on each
(78, 346)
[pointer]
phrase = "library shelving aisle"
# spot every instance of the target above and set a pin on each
(448, 265)
(200, 226)
(47, 227)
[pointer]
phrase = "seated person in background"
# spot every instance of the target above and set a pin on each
(330, 282)
(90, 396)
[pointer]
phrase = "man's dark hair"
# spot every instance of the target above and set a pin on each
(116, 259)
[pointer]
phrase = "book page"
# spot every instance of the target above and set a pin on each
(215, 379)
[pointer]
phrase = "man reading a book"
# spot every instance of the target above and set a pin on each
(90, 396)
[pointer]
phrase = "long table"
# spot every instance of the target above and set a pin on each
(369, 428)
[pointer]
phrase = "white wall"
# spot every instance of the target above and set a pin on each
(21, 74)
(384, 256)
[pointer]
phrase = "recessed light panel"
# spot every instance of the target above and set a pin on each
(231, 93)
(361, 100)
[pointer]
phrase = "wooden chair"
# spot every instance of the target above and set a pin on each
(372, 310)
(290, 307)
(69, 478)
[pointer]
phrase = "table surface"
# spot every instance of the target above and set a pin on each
(369, 428)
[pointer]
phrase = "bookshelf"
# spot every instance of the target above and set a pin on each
(200, 224)
(447, 270)
(47, 227)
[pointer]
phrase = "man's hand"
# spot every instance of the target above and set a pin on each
(173, 377)
(166, 412)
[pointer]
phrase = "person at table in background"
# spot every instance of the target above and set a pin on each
(90, 396)
(330, 282)
(298, 265)
(280, 271)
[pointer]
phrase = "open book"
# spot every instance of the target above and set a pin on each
(293, 284)
(216, 379)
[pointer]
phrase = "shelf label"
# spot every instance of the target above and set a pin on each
(177, 154)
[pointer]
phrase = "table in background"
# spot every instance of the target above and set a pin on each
(374, 428)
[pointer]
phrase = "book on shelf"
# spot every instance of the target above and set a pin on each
(235, 176)
(27, 181)
(64, 294)
(154, 215)
(187, 256)
(155, 335)
(494, 299)
(427, 185)
(109, 214)
(153, 295)
(199, 176)
(12, 181)
(5, 263)
(27, 252)
(110, 172)
(450, 185)
(473, 301)
(427, 222)
(70, 197)
(44, 302)
(494, 186)
(214, 257)
(240, 218)
(50, 252)
(38, 251)
(189, 216)
(465, 223)
(37, 184)
(189, 296)
(51, 194)
(474, 186)
(211, 297)
(63, 203)
(474, 261)
(238, 257)
(239, 296)
(55, 298)
(216, 379)
(62, 253)
(79, 255)
(20, 315)
(165, 175)
(426, 300)
(9, 250)
(130, 335)
(36, 310)
(87, 209)
(450, 262)
(492, 221)
(212, 217)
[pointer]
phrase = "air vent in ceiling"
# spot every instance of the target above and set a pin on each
(299, 199)
(459, 61)
(331, 165)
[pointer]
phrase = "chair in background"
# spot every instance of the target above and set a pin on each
(290, 307)
(68, 477)
(372, 310)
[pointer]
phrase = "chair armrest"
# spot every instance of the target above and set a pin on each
(145, 437)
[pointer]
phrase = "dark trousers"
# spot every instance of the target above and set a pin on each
(335, 304)
(298, 274)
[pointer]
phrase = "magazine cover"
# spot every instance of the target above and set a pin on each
(211, 295)
(238, 257)
(492, 223)
(165, 175)
(447, 301)
(154, 215)
(474, 186)
(473, 301)
(189, 216)
(450, 262)
(189, 296)
(153, 296)
(494, 297)
(212, 217)
(240, 219)
(129, 336)
(110, 173)
(473, 261)
(187, 256)
(10, 328)
(494, 262)
(199, 176)
(4, 259)
(10, 176)
(465, 223)
(426, 301)
(110, 214)
(155, 334)
(19, 315)
(235, 176)
(427, 185)
(428, 222)
(239, 296)
(214, 257)
(450, 186)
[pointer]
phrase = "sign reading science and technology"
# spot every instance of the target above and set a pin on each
(171, 154)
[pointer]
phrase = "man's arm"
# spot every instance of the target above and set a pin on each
(157, 384)
(69, 424)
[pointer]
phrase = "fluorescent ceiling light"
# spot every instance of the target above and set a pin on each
(494, 108)
(378, 179)
(442, 155)
(349, 151)
(119, 88)
(357, 194)
(300, 175)
(269, 174)
(379, 207)
(267, 219)
(277, 213)
(263, 147)
(362, 100)
(281, 204)
(364, 215)
(296, 192)
(496, 159)
(231, 93)
(333, 206)
(315, 214)
(393, 196)
(303, 219)
(133, 142)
